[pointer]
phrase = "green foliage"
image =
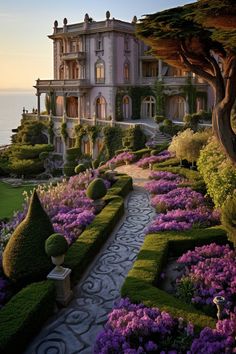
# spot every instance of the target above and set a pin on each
(64, 132)
(142, 153)
(217, 171)
(187, 144)
(56, 245)
(185, 289)
(43, 155)
(171, 129)
(80, 168)
(136, 137)
(24, 315)
(141, 284)
(167, 123)
(121, 187)
(30, 151)
(160, 100)
(24, 258)
(228, 216)
(83, 250)
(50, 103)
(112, 140)
(96, 189)
(31, 131)
(190, 92)
(159, 119)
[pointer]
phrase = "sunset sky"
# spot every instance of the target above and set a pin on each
(26, 52)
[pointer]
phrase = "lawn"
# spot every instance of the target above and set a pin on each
(11, 199)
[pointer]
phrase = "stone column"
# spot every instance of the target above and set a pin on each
(38, 103)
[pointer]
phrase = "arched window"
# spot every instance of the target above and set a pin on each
(177, 107)
(101, 108)
(127, 108)
(100, 72)
(126, 72)
(149, 107)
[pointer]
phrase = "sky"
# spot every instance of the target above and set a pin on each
(26, 52)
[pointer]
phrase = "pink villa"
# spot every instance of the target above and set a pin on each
(104, 75)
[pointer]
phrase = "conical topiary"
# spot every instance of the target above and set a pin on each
(24, 259)
(96, 189)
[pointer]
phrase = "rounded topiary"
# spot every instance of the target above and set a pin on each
(24, 258)
(228, 217)
(56, 245)
(96, 189)
(43, 155)
(167, 123)
(80, 168)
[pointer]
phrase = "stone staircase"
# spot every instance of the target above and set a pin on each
(153, 133)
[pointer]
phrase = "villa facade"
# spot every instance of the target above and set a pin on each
(103, 74)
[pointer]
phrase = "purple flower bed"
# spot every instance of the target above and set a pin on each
(180, 198)
(211, 270)
(66, 204)
(133, 329)
(161, 186)
(162, 156)
(181, 220)
(217, 341)
(137, 329)
(168, 176)
(122, 158)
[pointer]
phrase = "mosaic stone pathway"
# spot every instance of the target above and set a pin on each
(73, 330)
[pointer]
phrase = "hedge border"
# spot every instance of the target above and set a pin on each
(24, 314)
(37, 300)
(141, 282)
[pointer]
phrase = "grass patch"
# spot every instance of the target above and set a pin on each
(141, 282)
(11, 199)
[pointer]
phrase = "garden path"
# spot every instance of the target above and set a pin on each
(73, 330)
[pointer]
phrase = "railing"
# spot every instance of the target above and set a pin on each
(47, 85)
(103, 122)
(73, 56)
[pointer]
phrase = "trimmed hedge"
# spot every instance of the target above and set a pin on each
(23, 316)
(121, 187)
(18, 317)
(140, 284)
(83, 250)
(140, 153)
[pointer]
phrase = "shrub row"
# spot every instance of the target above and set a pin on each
(83, 250)
(141, 282)
(121, 187)
(24, 314)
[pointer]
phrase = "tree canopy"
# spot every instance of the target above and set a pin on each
(201, 37)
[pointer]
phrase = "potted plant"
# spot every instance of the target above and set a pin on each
(56, 247)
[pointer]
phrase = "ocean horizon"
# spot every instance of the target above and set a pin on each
(11, 108)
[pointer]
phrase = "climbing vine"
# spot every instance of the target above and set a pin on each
(64, 132)
(51, 131)
(136, 94)
(160, 97)
(190, 92)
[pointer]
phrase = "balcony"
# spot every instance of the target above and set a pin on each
(46, 86)
(74, 56)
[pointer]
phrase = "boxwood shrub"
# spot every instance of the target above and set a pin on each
(141, 282)
(23, 316)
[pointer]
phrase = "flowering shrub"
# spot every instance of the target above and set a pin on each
(160, 186)
(137, 329)
(168, 176)
(211, 270)
(181, 220)
(219, 340)
(122, 158)
(133, 329)
(162, 156)
(180, 198)
(66, 204)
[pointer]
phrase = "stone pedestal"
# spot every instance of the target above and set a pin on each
(62, 281)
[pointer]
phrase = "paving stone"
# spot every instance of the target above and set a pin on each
(74, 329)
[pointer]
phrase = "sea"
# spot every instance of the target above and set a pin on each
(11, 108)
